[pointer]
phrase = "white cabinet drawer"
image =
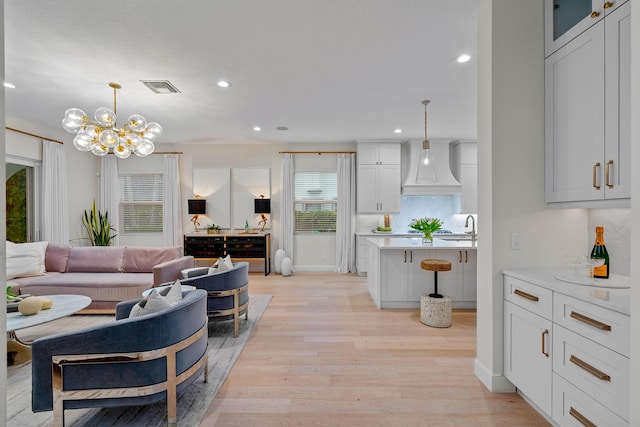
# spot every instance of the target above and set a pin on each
(599, 372)
(532, 297)
(609, 328)
(572, 407)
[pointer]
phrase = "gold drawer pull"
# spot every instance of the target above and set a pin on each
(595, 14)
(607, 4)
(595, 172)
(593, 371)
(606, 173)
(526, 295)
(589, 321)
(581, 418)
(545, 332)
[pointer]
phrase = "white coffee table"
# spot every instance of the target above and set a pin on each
(63, 306)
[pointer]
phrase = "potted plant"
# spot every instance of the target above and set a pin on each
(426, 226)
(213, 229)
(98, 226)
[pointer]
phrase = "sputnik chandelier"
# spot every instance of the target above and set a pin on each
(102, 135)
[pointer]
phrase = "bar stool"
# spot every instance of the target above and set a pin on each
(435, 309)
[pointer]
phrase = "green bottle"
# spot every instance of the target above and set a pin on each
(246, 226)
(600, 251)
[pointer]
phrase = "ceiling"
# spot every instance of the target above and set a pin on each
(330, 71)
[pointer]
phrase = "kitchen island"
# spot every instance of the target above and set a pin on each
(396, 280)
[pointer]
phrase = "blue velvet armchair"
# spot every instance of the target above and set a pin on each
(227, 292)
(129, 362)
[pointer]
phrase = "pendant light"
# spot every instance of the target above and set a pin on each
(426, 167)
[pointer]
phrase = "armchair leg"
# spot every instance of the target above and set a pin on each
(172, 412)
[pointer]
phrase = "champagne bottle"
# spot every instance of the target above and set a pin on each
(600, 251)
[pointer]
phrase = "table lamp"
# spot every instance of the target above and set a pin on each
(262, 206)
(197, 207)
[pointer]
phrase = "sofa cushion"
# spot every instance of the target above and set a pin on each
(95, 259)
(139, 259)
(25, 259)
(152, 303)
(56, 258)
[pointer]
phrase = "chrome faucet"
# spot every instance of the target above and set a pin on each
(473, 227)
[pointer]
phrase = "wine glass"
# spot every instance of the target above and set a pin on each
(593, 263)
(576, 261)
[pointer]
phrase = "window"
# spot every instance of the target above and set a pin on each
(140, 203)
(315, 201)
(22, 203)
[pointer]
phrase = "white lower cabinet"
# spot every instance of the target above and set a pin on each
(569, 357)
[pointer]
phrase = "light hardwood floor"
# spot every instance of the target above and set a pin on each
(324, 355)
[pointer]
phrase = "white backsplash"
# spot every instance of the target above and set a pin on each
(444, 207)
(617, 236)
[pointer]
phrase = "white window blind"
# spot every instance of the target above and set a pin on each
(140, 203)
(316, 201)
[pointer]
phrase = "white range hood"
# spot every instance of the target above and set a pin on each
(445, 183)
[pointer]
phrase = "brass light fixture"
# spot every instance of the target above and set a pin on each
(102, 135)
(426, 168)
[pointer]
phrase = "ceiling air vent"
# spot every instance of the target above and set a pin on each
(160, 86)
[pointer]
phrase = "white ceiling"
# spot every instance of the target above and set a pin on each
(329, 70)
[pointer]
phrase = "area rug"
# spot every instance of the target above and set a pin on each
(193, 402)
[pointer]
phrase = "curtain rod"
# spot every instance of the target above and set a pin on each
(317, 152)
(33, 134)
(162, 152)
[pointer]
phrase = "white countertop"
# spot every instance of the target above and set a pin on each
(604, 295)
(415, 242)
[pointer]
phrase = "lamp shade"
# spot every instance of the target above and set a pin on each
(262, 206)
(197, 206)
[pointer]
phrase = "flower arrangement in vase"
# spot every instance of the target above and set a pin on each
(426, 226)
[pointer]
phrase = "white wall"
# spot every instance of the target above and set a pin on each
(511, 169)
(635, 212)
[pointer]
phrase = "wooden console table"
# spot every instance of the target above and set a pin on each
(241, 246)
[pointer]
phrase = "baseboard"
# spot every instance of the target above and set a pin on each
(314, 268)
(495, 383)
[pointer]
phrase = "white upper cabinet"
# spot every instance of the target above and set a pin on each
(587, 113)
(465, 168)
(566, 19)
(378, 180)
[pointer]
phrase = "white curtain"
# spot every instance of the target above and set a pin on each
(346, 215)
(172, 219)
(286, 205)
(55, 207)
(109, 193)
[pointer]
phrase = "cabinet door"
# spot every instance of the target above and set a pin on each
(450, 282)
(362, 257)
(469, 195)
(527, 351)
(389, 188)
(566, 19)
(389, 154)
(367, 197)
(394, 275)
(617, 184)
(421, 280)
(368, 154)
(574, 119)
(470, 280)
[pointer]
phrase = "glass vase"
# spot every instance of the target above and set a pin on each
(427, 238)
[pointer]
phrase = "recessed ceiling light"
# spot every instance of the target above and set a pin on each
(282, 128)
(397, 131)
(9, 85)
(224, 83)
(463, 58)
(257, 128)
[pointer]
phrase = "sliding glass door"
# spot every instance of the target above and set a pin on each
(23, 199)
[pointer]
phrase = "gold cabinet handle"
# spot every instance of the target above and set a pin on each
(545, 332)
(595, 172)
(595, 14)
(593, 371)
(410, 256)
(589, 321)
(606, 173)
(581, 418)
(526, 295)
(607, 4)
